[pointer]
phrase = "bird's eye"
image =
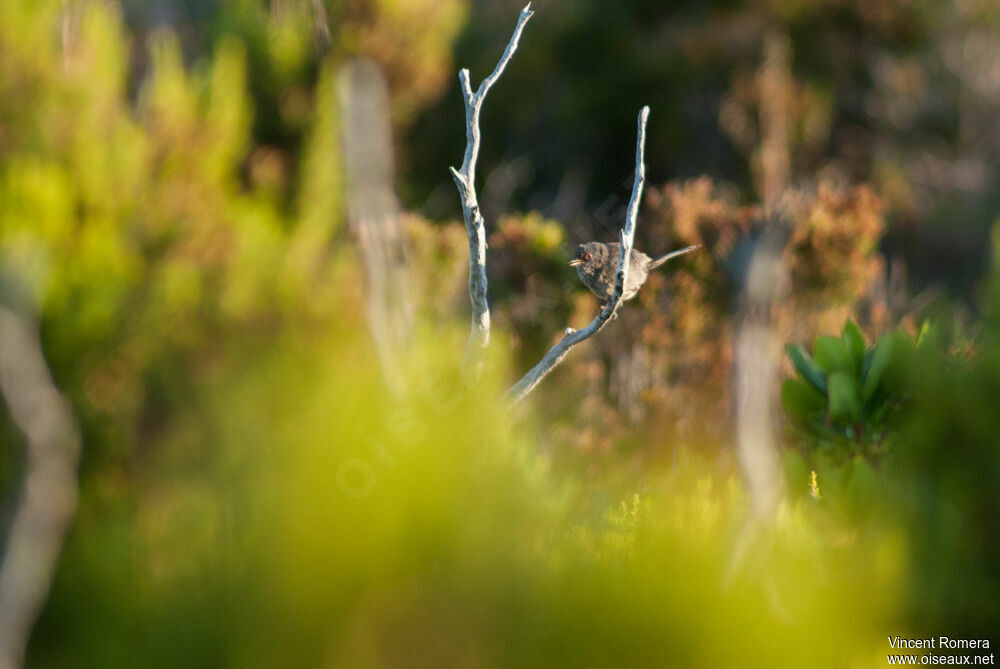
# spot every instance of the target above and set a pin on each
(586, 256)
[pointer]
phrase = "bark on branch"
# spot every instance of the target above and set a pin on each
(465, 180)
(572, 338)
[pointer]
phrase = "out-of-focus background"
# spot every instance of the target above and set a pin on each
(230, 229)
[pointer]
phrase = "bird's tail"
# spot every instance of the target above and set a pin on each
(653, 264)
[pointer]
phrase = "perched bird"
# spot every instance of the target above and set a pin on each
(597, 264)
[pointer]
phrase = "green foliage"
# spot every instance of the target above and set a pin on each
(252, 495)
(300, 517)
(846, 394)
(947, 467)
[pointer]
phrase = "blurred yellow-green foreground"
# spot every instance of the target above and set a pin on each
(251, 493)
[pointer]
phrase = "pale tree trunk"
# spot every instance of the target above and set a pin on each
(48, 497)
(373, 211)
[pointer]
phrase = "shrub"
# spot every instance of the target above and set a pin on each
(846, 393)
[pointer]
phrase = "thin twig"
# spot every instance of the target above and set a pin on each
(49, 493)
(465, 180)
(627, 235)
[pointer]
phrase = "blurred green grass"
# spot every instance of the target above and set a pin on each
(303, 518)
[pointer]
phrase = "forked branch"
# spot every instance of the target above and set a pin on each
(572, 338)
(465, 180)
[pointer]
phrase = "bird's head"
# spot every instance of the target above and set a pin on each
(588, 253)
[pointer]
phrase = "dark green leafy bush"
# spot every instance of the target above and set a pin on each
(846, 393)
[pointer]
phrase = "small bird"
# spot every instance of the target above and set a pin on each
(597, 265)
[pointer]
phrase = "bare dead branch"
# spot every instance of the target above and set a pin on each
(758, 354)
(756, 380)
(774, 81)
(373, 211)
(465, 180)
(49, 494)
(627, 235)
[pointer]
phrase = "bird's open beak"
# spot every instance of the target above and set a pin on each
(574, 262)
